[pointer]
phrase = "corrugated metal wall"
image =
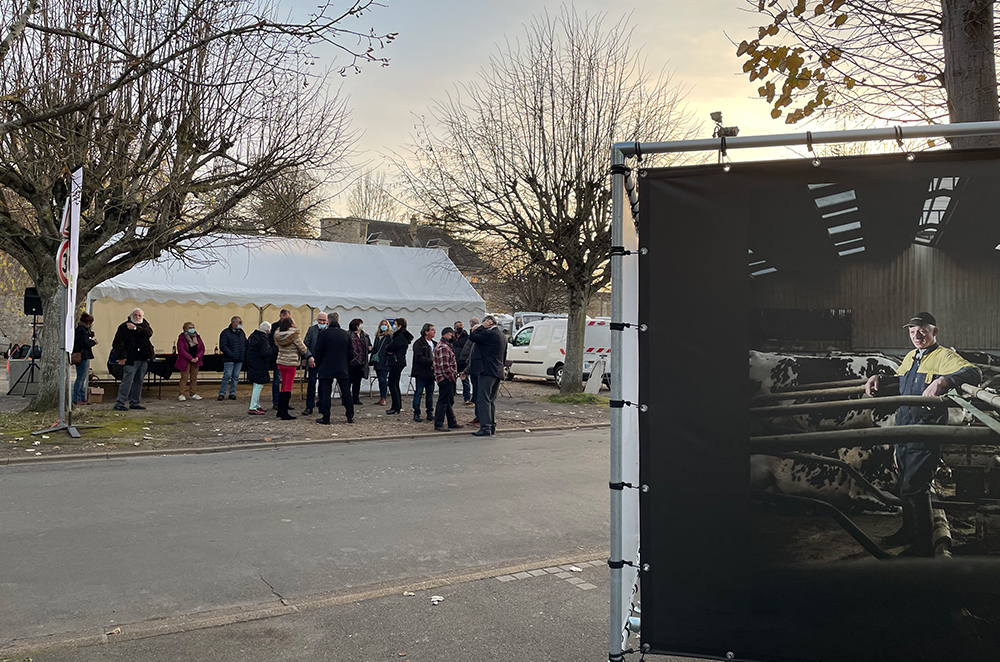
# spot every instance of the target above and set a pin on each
(964, 298)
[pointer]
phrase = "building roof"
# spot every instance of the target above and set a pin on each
(464, 257)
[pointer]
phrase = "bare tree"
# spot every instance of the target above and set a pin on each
(371, 198)
(170, 157)
(523, 157)
(514, 282)
(110, 26)
(896, 60)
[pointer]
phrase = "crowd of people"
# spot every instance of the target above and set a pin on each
(275, 353)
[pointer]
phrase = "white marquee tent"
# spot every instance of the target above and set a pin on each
(357, 281)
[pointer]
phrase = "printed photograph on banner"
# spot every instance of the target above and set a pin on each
(868, 451)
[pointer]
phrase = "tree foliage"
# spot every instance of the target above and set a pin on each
(179, 111)
(371, 198)
(880, 60)
(521, 156)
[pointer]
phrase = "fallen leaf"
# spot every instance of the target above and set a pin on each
(286, 520)
(267, 439)
(136, 443)
(145, 428)
(37, 453)
(115, 631)
(573, 568)
(36, 442)
(436, 599)
(409, 593)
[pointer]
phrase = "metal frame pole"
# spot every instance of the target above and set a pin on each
(617, 298)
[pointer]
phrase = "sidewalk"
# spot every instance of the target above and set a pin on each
(550, 613)
(10, 404)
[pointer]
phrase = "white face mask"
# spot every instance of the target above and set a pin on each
(192, 331)
(322, 325)
(384, 327)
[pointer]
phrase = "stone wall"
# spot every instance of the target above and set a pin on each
(344, 230)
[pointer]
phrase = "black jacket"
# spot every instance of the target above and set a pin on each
(233, 344)
(396, 351)
(133, 345)
(423, 359)
(332, 352)
(83, 341)
(259, 358)
(458, 346)
(488, 354)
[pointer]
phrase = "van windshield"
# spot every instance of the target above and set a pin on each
(523, 338)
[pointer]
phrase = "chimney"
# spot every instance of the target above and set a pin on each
(413, 232)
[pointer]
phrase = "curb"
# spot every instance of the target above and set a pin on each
(251, 612)
(268, 445)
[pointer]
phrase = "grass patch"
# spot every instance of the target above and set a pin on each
(115, 424)
(578, 399)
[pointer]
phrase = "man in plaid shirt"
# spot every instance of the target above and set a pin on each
(445, 374)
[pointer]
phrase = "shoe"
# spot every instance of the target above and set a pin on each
(391, 411)
(196, 397)
(120, 408)
(468, 403)
(255, 412)
(416, 417)
(381, 402)
(221, 397)
(430, 416)
(307, 411)
(261, 410)
(358, 402)
(439, 429)
(481, 433)
(456, 426)
(350, 421)
(322, 421)
(493, 429)
(232, 397)
(474, 421)
(181, 398)
(283, 406)
(136, 407)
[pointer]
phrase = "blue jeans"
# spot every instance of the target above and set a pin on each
(383, 382)
(230, 376)
(424, 385)
(466, 389)
(80, 385)
(275, 387)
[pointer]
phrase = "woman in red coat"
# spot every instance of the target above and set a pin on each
(190, 349)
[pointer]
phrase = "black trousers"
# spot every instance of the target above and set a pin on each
(397, 399)
(357, 373)
(326, 394)
(446, 400)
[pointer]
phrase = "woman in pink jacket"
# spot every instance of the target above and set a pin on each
(190, 349)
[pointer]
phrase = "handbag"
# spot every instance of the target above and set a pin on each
(76, 357)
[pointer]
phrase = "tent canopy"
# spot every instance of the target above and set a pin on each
(281, 271)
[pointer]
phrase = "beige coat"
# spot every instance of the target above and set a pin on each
(290, 347)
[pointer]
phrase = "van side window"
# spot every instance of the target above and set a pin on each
(558, 333)
(524, 337)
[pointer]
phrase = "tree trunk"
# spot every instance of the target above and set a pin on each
(572, 380)
(53, 360)
(970, 74)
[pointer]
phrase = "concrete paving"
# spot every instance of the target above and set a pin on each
(91, 546)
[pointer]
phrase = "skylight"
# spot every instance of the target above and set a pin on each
(841, 215)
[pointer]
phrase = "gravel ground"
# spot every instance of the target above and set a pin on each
(170, 424)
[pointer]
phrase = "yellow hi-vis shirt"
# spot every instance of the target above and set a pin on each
(942, 361)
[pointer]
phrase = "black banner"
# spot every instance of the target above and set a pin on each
(860, 244)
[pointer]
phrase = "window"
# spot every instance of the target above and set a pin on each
(523, 338)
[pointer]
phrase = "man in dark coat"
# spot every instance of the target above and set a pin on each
(331, 356)
(458, 344)
(487, 365)
(233, 345)
(134, 351)
(423, 371)
(322, 323)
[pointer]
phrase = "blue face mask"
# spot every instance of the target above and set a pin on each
(239, 326)
(384, 327)
(192, 331)
(323, 326)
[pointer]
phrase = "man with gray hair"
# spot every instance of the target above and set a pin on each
(487, 366)
(312, 376)
(134, 351)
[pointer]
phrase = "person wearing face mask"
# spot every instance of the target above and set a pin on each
(361, 345)
(312, 376)
(446, 375)
(134, 350)
(190, 349)
(395, 353)
(233, 345)
(83, 343)
(378, 359)
(458, 345)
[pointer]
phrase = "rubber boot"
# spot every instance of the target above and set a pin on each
(905, 535)
(283, 400)
(923, 526)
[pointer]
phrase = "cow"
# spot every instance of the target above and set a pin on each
(771, 373)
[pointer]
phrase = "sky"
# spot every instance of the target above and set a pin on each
(443, 43)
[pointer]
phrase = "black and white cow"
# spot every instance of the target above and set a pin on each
(769, 373)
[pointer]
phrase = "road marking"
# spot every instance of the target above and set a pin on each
(180, 623)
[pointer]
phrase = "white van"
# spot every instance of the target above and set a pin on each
(538, 349)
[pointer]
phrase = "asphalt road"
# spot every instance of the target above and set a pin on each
(88, 545)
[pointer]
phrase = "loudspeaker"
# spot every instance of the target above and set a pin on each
(32, 302)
